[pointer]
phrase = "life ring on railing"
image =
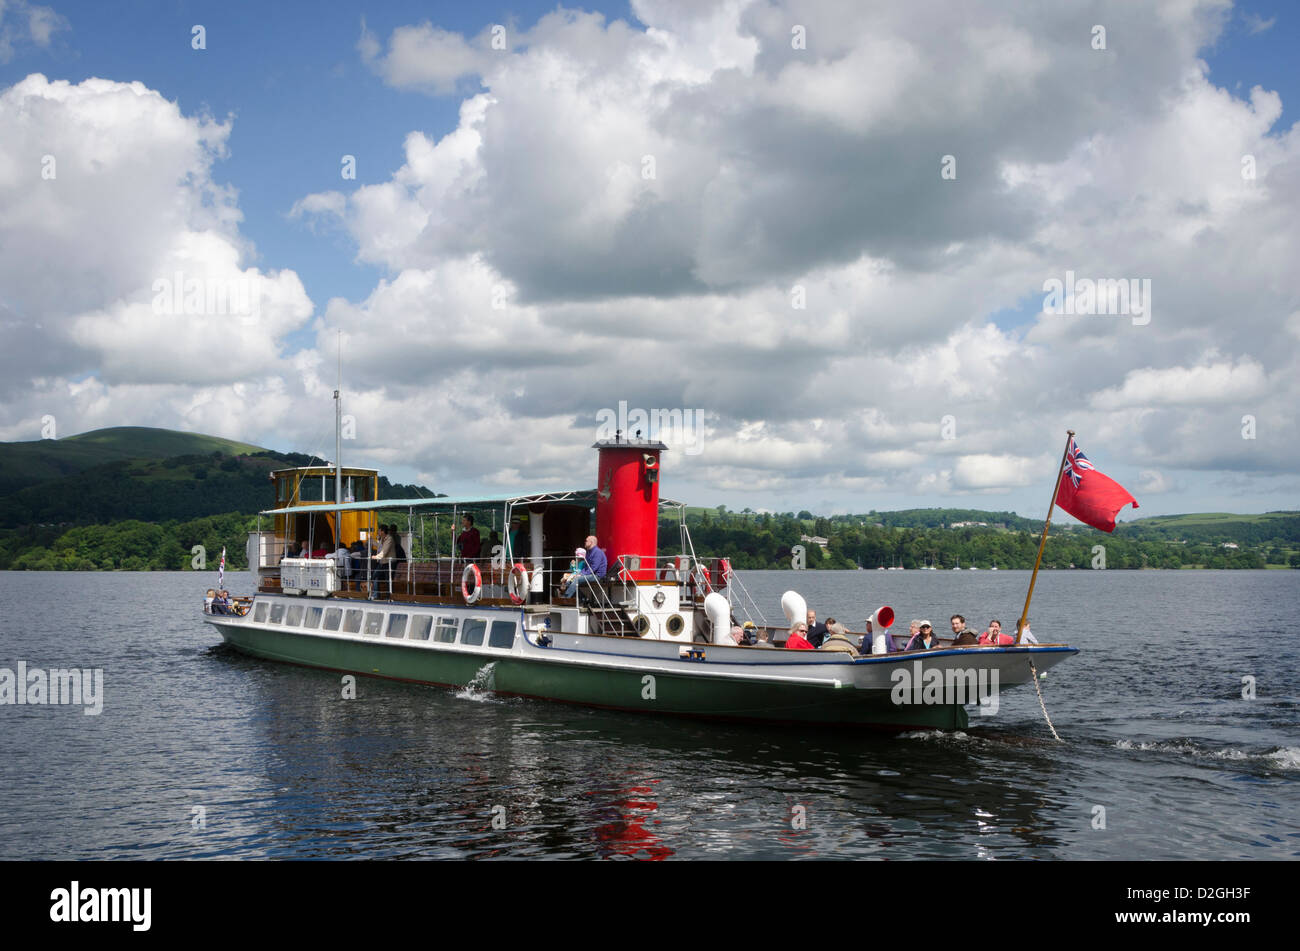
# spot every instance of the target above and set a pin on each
(518, 580)
(724, 572)
(471, 570)
(702, 573)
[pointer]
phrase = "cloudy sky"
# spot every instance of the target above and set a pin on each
(825, 230)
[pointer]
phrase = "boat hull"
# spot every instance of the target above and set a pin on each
(719, 682)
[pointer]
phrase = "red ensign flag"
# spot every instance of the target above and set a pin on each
(1089, 496)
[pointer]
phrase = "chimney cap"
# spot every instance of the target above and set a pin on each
(625, 443)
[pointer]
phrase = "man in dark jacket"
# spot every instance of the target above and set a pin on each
(962, 635)
(816, 632)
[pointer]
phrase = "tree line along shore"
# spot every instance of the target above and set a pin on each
(767, 541)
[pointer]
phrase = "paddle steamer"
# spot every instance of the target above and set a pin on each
(652, 636)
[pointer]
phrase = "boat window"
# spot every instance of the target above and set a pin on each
(277, 613)
(374, 622)
(332, 617)
(259, 612)
(446, 632)
(294, 616)
(473, 632)
(352, 621)
(503, 634)
(396, 625)
(312, 618)
(420, 625)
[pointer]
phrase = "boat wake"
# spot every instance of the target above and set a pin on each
(480, 688)
(1284, 757)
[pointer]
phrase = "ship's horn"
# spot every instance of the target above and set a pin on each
(719, 611)
(794, 606)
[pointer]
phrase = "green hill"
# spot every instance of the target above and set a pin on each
(25, 464)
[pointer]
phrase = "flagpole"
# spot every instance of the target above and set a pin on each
(1042, 541)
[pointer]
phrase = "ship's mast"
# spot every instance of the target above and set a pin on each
(338, 450)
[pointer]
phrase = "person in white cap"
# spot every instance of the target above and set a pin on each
(924, 639)
(575, 566)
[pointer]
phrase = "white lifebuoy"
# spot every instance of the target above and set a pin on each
(471, 570)
(518, 580)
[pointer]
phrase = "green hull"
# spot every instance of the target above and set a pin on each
(694, 694)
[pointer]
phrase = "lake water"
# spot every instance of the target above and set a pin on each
(1158, 740)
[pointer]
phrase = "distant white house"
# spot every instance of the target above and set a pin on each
(968, 524)
(816, 540)
(1229, 545)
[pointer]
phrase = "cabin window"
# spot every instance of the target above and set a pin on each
(312, 618)
(293, 618)
(332, 618)
(420, 625)
(352, 622)
(277, 613)
(374, 622)
(473, 632)
(259, 612)
(396, 625)
(446, 632)
(312, 489)
(503, 634)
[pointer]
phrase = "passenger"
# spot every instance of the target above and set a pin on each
(994, 636)
(593, 567)
(596, 559)
(865, 645)
(516, 538)
(837, 638)
(797, 639)
(343, 564)
(386, 549)
(303, 550)
(579, 556)
(924, 638)
(468, 542)
(749, 631)
(961, 634)
(1027, 637)
(764, 639)
(207, 601)
(737, 635)
(399, 553)
(816, 632)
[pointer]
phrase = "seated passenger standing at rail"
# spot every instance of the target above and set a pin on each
(468, 542)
